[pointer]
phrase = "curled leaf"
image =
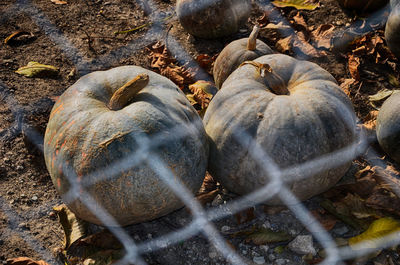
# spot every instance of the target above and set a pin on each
(74, 228)
(264, 236)
(35, 69)
(298, 4)
(375, 233)
(12, 37)
(25, 261)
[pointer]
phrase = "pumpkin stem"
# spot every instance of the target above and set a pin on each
(275, 82)
(125, 93)
(252, 41)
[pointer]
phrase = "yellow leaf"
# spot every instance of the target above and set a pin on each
(35, 69)
(298, 4)
(375, 233)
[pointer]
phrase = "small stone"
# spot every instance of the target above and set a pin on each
(218, 200)
(244, 252)
(281, 261)
(264, 248)
(259, 260)
(19, 168)
(340, 230)
(34, 198)
(23, 226)
(23, 195)
(212, 254)
(225, 229)
(271, 257)
(302, 245)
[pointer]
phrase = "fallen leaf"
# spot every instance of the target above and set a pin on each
(203, 91)
(322, 36)
(208, 197)
(284, 45)
(165, 64)
(354, 63)
(381, 95)
(384, 200)
(25, 261)
(375, 233)
(393, 80)
(59, 2)
(74, 228)
(346, 85)
(327, 221)
(209, 184)
(298, 4)
(245, 216)
(264, 236)
(35, 69)
(103, 239)
(279, 26)
(206, 62)
(370, 121)
(12, 37)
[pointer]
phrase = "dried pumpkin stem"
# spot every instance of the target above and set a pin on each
(273, 80)
(124, 94)
(252, 41)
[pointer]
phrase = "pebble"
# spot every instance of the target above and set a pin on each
(225, 229)
(218, 200)
(212, 254)
(34, 198)
(264, 248)
(340, 230)
(259, 260)
(302, 245)
(244, 252)
(19, 168)
(281, 261)
(271, 257)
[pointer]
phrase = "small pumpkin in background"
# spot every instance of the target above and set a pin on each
(211, 19)
(388, 126)
(392, 29)
(237, 52)
(363, 5)
(295, 111)
(95, 139)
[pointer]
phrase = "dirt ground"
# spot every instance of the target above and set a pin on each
(78, 37)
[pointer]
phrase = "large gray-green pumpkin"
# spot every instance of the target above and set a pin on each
(295, 113)
(388, 126)
(94, 137)
(212, 18)
(236, 53)
(392, 29)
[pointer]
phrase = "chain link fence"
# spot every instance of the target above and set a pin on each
(202, 222)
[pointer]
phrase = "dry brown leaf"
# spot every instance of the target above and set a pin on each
(284, 45)
(322, 36)
(59, 2)
(209, 184)
(300, 25)
(354, 63)
(208, 197)
(165, 64)
(388, 178)
(370, 121)
(25, 261)
(203, 91)
(206, 62)
(245, 216)
(327, 221)
(347, 84)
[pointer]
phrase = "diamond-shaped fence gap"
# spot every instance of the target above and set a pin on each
(13, 221)
(199, 214)
(54, 34)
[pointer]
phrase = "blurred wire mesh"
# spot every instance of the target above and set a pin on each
(202, 222)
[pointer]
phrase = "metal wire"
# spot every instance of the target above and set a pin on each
(202, 222)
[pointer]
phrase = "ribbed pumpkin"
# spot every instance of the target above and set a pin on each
(392, 29)
(388, 126)
(236, 53)
(294, 110)
(95, 136)
(363, 5)
(212, 18)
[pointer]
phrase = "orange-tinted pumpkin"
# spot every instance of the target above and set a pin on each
(96, 138)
